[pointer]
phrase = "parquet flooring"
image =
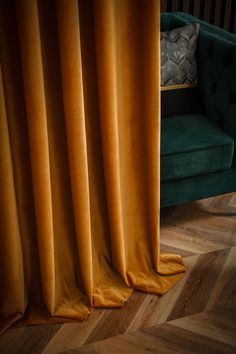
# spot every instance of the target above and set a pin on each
(198, 315)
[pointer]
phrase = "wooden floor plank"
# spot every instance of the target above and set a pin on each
(185, 341)
(224, 292)
(187, 242)
(33, 340)
(174, 250)
(8, 339)
(165, 304)
(71, 335)
(118, 319)
(211, 325)
(200, 284)
(137, 342)
(202, 231)
(160, 339)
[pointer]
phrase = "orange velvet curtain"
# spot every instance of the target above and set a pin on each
(79, 158)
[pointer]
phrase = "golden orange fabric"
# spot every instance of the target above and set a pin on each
(80, 146)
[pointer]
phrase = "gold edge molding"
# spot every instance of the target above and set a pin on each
(177, 87)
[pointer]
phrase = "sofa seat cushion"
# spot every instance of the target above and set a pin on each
(192, 145)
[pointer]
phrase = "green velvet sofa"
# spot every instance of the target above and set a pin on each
(198, 147)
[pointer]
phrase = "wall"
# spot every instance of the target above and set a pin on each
(219, 12)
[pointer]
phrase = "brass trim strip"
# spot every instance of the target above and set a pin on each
(177, 87)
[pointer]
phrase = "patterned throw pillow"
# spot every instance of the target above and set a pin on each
(178, 63)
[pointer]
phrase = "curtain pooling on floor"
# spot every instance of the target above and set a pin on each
(80, 146)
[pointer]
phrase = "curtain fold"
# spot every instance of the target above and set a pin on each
(80, 147)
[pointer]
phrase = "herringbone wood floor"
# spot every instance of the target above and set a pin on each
(198, 315)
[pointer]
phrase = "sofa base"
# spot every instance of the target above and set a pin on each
(186, 190)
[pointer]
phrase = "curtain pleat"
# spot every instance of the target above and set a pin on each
(73, 98)
(11, 275)
(80, 147)
(33, 81)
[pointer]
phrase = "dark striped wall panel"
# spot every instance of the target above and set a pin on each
(218, 12)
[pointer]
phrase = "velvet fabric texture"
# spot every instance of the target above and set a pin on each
(183, 190)
(192, 145)
(216, 59)
(80, 147)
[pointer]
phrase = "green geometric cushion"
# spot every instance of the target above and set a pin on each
(192, 145)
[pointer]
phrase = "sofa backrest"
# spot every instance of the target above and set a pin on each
(170, 21)
(216, 60)
(207, 26)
